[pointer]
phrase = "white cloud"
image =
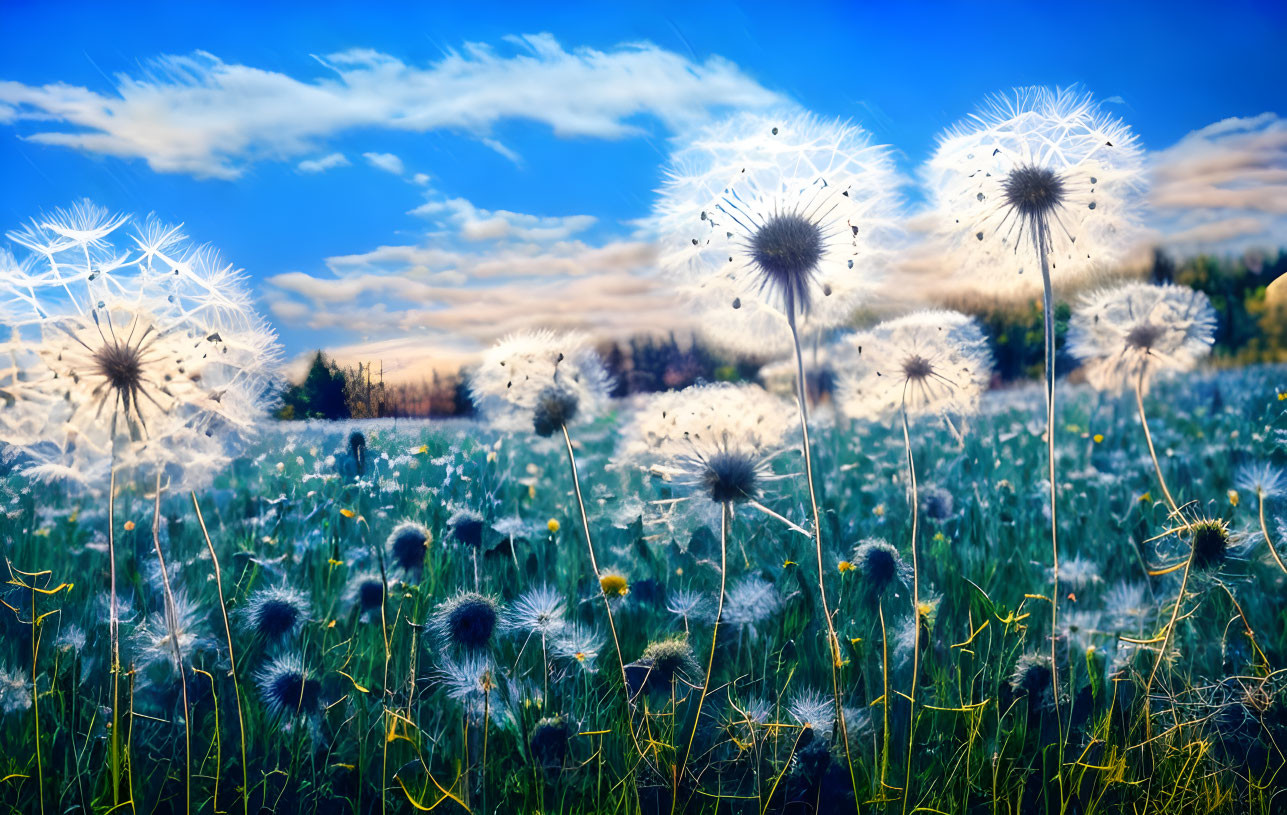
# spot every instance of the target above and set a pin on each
(479, 275)
(1223, 187)
(420, 178)
(199, 115)
(384, 161)
(323, 164)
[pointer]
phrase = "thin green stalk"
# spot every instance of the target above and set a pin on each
(114, 629)
(35, 698)
(884, 647)
(916, 603)
(710, 662)
(833, 644)
(232, 660)
(1040, 241)
(598, 580)
(1264, 529)
(172, 622)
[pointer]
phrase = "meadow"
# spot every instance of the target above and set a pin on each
(369, 706)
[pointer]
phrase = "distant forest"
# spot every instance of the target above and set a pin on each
(1252, 328)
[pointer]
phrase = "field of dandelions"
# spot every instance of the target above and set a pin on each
(897, 590)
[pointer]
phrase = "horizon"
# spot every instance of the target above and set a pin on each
(398, 188)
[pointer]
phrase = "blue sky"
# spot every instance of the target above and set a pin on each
(456, 154)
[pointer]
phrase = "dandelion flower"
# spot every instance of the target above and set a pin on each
(407, 545)
(661, 664)
(467, 621)
(276, 613)
(538, 611)
(930, 361)
(670, 424)
(880, 566)
(116, 369)
(770, 221)
(1261, 478)
(288, 687)
(750, 602)
(540, 381)
(614, 584)
(1125, 335)
(1039, 172)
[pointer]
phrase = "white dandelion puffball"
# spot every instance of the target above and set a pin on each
(1125, 335)
(767, 218)
(129, 367)
(1039, 165)
(540, 380)
(672, 424)
(930, 361)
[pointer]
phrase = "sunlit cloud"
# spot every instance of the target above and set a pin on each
(199, 115)
(321, 165)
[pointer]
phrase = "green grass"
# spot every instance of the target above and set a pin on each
(391, 736)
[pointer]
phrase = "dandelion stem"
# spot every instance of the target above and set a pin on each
(232, 660)
(833, 644)
(114, 627)
(607, 605)
(1188, 563)
(916, 606)
(172, 623)
(1040, 241)
(1264, 529)
(710, 662)
(35, 699)
(884, 647)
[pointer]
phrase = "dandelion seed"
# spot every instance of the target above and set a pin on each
(750, 602)
(1126, 335)
(578, 645)
(931, 361)
(766, 220)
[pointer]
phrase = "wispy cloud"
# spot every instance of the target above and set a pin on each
(385, 161)
(321, 165)
(1224, 187)
(199, 115)
(478, 275)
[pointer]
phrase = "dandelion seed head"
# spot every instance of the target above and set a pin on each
(1140, 330)
(1032, 677)
(467, 527)
(750, 602)
(274, 613)
(930, 361)
(1211, 543)
(662, 662)
(112, 361)
(672, 424)
(1036, 165)
(765, 217)
(15, 691)
(407, 544)
(1261, 478)
(579, 645)
(880, 565)
(812, 709)
(538, 611)
(689, 605)
(288, 687)
(538, 381)
(468, 620)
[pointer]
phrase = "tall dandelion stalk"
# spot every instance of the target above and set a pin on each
(1039, 179)
(774, 225)
(929, 362)
(1124, 336)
